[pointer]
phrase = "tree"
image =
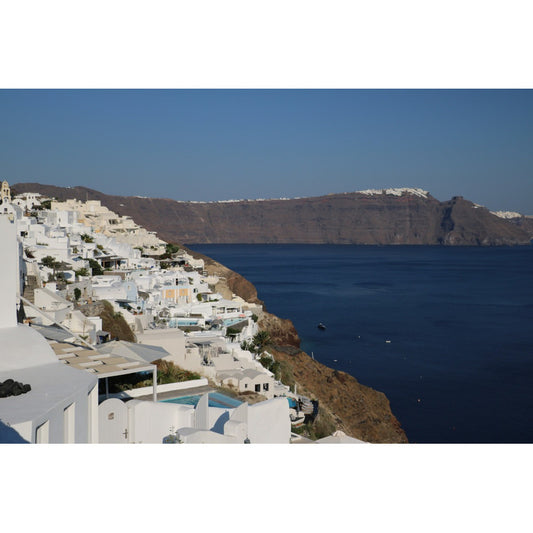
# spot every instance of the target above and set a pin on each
(260, 340)
(82, 272)
(247, 346)
(49, 261)
(96, 268)
(77, 294)
(53, 263)
(258, 343)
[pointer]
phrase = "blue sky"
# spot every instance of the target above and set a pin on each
(227, 144)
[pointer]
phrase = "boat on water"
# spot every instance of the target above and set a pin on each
(321, 326)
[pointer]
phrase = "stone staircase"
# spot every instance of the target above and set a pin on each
(32, 283)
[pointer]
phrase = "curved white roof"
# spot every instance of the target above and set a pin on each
(24, 347)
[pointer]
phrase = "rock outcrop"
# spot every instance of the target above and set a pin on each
(396, 216)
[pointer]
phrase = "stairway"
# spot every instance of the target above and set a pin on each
(32, 283)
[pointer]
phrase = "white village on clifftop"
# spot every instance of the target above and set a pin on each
(191, 371)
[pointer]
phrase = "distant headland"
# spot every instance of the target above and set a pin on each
(397, 216)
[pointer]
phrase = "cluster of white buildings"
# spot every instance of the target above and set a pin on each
(58, 255)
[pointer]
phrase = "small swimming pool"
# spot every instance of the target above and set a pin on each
(292, 403)
(216, 399)
(228, 322)
(176, 323)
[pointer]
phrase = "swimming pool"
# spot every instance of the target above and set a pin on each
(228, 322)
(292, 403)
(216, 399)
(175, 323)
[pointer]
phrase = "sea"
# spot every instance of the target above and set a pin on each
(445, 332)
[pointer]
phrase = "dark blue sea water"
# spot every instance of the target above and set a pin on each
(459, 365)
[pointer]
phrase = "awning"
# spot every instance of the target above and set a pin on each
(103, 365)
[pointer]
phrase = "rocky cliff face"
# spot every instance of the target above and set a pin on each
(359, 411)
(351, 218)
(524, 222)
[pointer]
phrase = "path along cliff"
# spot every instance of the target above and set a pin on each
(359, 411)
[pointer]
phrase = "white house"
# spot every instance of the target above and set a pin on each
(52, 304)
(248, 379)
(61, 404)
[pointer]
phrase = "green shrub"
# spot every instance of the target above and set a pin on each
(285, 374)
(232, 332)
(96, 268)
(49, 261)
(171, 248)
(323, 425)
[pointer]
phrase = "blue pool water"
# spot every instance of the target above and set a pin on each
(459, 364)
(232, 321)
(175, 322)
(216, 399)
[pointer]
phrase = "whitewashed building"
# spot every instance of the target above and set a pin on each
(61, 405)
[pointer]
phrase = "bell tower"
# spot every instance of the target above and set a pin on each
(5, 193)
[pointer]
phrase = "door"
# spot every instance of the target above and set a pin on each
(113, 422)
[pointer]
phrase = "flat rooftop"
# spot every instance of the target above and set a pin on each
(94, 362)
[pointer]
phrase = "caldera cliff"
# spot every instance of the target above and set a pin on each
(381, 217)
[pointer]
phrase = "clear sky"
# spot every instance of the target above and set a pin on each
(229, 144)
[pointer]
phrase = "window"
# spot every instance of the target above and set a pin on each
(258, 388)
(265, 386)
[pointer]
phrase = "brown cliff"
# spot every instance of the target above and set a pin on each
(350, 218)
(359, 411)
(525, 223)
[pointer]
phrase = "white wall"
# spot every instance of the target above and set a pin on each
(150, 422)
(55, 387)
(224, 361)
(269, 422)
(172, 340)
(26, 356)
(10, 269)
(167, 387)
